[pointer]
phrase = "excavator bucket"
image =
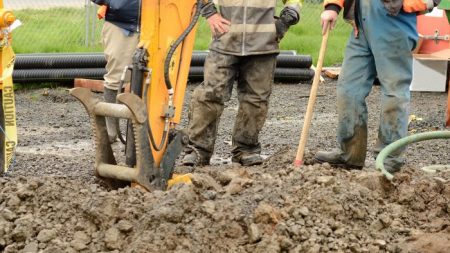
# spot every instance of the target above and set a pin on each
(159, 75)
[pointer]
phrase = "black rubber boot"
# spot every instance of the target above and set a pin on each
(248, 159)
(334, 157)
(194, 157)
(111, 123)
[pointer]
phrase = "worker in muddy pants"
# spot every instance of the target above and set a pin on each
(244, 48)
(383, 37)
(120, 37)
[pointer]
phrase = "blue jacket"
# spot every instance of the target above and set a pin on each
(123, 13)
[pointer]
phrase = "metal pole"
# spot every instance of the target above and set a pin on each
(94, 24)
(87, 10)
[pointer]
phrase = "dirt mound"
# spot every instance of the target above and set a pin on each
(270, 208)
(52, 202)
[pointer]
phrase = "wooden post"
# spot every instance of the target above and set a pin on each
(94, 85)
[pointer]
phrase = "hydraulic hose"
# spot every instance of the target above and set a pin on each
(178, 42)
(404, 142)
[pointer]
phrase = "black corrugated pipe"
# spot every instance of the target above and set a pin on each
(55, 75)
(281, 74)
(195, 74)
(284, 52)
(283, 61)
(97, 60)
(60, 61)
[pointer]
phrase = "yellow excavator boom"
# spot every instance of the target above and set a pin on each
(159, 75)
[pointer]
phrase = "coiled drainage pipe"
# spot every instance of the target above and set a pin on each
(283, 60)
(289, 75)
(406, 141)
(55, 75)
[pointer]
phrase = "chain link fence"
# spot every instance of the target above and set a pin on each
(72, 25)
(55, 26)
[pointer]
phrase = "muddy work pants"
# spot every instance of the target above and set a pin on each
(118, 49)
(254, 75)
(383, 49)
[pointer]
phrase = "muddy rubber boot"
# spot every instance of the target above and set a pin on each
(193, 159)
(334, 157)
(111, 123)
(248, 159)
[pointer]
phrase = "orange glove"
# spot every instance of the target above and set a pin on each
(101, 13)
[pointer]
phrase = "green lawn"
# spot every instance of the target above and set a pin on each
(52, 31)
(63, 30)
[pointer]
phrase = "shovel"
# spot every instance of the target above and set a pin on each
(312, 100)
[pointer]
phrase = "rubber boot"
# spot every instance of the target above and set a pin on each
(194, 158)
(334, 157)
(111, 123)
(248, 159)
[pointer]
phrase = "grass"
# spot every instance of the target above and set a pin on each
(63, 30)
(52, 31)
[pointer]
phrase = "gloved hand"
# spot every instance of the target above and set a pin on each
(288, 16)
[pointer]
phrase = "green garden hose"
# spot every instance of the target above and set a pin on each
(404, 142)
(436, 168)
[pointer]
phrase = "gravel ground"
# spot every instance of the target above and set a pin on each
(52, 202)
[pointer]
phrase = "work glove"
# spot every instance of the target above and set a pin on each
(288, 16)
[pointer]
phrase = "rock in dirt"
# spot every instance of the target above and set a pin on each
(32, 247)
(8, 215)
(209, 207)
(237, 185)
(80, 240)
(254, 233)
(112, 239)
(205, 182)
(46, 235)
(268, 245)
(325, 180)
(124, 226)
(304, 211)
(265, 213)
(430, 242)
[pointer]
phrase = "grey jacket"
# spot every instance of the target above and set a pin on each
(252, 30)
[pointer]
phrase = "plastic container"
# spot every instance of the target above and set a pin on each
(430, 24)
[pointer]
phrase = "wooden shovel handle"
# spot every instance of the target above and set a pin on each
(312, 100)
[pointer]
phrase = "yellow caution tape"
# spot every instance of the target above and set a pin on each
(8, 102)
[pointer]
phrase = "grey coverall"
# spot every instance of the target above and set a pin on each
(246, 54)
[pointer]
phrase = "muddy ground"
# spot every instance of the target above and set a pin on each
(52, 202)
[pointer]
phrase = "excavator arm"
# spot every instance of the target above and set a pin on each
(159, 75)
